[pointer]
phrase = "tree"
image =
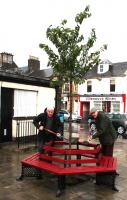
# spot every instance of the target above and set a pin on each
(72, 58)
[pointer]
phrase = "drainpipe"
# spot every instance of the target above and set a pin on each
(124, 102)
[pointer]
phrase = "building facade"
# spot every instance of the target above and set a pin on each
(23, 94)
(105, 88)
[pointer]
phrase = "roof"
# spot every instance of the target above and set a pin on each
(27, 74)
(16, 76)
(115, 70)
(44, 73)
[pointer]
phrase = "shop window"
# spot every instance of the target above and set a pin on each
(116, 106)
(98, 105)
(112, 85)
(89, 86)
(106, 106)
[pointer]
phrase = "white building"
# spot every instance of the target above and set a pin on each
(24, 93)
(105, 87)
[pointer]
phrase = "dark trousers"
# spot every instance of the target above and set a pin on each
(42, 139)
(107, 150)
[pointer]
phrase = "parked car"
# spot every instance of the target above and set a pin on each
(91, 122)
(119, 121)
(75, 117)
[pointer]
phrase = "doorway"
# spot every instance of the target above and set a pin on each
(7, 103)
(86, 107)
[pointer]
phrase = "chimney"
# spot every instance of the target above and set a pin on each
(33, 64)
(6, 61)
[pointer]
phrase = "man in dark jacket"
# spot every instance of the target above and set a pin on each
(105, 132)
(47, 123)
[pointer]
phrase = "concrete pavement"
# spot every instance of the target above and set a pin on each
(34, 189)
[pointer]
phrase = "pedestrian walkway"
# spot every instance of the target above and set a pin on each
(34, 189)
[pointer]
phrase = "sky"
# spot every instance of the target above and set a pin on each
(24, 24)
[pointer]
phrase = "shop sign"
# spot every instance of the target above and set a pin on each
(100, 98)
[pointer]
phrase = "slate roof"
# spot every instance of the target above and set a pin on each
(27, 74)
(21, 78)
(44, 73)
(22, 75)
(115, 70)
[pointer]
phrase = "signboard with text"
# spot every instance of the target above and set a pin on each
(100, 98)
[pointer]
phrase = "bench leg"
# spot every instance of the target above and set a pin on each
(61, 185)
(107, 178)
(20, 178)
(78, 158)
(114, 186)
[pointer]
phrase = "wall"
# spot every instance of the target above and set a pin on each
(45, 97)
(103, 86)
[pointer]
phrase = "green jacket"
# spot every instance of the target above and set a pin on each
(105, 130)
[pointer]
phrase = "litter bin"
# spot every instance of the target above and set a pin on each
(61, 117)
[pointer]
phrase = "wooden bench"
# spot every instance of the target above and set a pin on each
(104, 167)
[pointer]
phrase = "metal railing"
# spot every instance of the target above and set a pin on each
(26, 133)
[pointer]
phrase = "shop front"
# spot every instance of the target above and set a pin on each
(107, 103)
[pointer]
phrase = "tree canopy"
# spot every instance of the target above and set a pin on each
(72, 58)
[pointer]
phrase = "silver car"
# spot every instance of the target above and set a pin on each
(75, 117)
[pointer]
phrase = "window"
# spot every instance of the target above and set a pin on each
(89, 86)
(101, 68)
(66, 87)
(98, 105)
(24, 103)
(112, 85)
(115, 106)
(75, 87)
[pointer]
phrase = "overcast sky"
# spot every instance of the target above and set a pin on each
(24, 24)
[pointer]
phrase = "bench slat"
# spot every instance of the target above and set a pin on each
(85, 170)
(72, 161)
(71, 151)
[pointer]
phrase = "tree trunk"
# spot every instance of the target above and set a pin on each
(58, 98)
(70, 121)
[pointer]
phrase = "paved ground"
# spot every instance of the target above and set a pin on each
(33, 189)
